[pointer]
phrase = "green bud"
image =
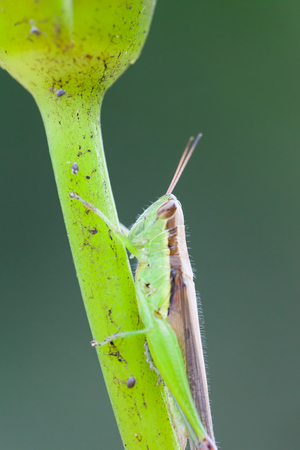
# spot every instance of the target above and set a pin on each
(76, 46)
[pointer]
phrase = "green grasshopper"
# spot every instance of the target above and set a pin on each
(168, 308)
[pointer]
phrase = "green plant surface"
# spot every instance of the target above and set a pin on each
(52, 45)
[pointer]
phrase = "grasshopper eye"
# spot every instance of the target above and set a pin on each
(167, 210)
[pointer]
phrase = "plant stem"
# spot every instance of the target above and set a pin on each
(74, 135)
(81, 48)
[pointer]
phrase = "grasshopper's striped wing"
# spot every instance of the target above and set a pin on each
(183, 317)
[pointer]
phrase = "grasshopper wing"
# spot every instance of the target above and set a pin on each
(183, 318)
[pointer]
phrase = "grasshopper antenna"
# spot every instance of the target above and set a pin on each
(189, 149)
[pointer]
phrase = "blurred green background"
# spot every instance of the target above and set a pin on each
(230, 70)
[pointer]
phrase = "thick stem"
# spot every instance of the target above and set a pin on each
(74, 136)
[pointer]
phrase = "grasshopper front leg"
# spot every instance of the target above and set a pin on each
(118, 234)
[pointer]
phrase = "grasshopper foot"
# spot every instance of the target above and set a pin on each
(94, 343)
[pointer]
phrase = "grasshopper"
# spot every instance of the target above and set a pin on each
(167, 305)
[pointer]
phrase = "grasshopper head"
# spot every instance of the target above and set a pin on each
(154, 219)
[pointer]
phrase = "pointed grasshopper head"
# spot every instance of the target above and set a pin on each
(154, 220)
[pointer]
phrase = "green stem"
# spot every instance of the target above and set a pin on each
(74, 135)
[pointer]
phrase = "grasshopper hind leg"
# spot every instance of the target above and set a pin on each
(174, 414)
(182, 425)
(150, 361)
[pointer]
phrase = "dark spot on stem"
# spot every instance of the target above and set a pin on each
(35, 30)
(93, 231)
(131, 382)
(74, 168)
(60, 92)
